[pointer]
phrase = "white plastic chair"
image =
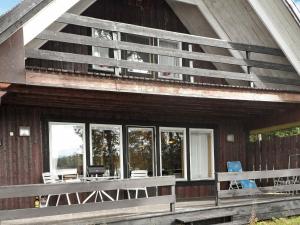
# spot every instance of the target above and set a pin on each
(138, 174)
(68, 176)
(49, 178)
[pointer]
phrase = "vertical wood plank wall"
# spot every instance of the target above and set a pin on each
(21, 158)
(273, 153)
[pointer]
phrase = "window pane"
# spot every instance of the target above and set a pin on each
(140, 149)
(173, 152)
(105, 148)
(201, 154)
(67, 146)
(136, 56)
(102, 52)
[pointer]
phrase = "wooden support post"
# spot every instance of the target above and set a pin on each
(249, 67)
(218, 188)
(191, 63)
(172, 204)
(117, 52)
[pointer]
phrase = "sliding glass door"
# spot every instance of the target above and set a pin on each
(106, 148)
(141, 149)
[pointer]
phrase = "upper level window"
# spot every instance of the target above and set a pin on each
(102, 52)
(67, 146)
(173, 152)
(106, 148)
(135, 56)
(201, 154)
(169, 61)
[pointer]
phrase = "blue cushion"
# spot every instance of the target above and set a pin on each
(248, 184)
(234, 166)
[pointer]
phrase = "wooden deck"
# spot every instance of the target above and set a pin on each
(262, 208)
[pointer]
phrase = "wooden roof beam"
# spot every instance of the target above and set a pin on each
(158, 88)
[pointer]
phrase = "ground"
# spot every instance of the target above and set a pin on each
(282, 221)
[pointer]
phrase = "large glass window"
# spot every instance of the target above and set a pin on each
(141, 149)
(67, 146)
(106, 147)
(173, 152)
(201, 154)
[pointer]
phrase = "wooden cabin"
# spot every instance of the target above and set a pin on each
(173, 87)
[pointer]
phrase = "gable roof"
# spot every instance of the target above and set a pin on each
(282, 26)
(27, 9)
(294, 9)
(13, 20)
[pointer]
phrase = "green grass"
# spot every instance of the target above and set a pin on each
(282, 221)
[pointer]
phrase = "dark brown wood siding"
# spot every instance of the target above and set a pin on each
(273, 153)
(21, 158)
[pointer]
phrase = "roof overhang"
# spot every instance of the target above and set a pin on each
(112, 84)
(282, 26)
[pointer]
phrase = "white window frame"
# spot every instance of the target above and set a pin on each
(204, 131)
(154, 163)
(175, 129)
(179, 46)
(95, 125)
(50, 143)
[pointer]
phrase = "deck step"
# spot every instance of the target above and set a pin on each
(201, 217)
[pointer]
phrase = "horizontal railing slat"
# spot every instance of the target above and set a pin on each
(75, 58)
(162, 34)
(258, 191)
(17, 191)
(88, 207)
(86, 40)
(229, 176)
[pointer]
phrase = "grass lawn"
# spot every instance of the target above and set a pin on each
(282, 221)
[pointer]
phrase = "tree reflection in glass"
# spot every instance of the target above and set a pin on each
(172, 153)
(140, 149)
(106, 148)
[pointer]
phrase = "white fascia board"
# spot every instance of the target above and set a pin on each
(46, 17)
(282, 26)
(79, 8)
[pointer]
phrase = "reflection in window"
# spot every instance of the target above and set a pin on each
(201, 154)
(100, 51)
(137, 56)
(173, 159)
(140, 149)
(106, 147)
(67, 146)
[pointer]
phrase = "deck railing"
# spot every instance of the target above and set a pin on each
(21, 191)
(118, 46)
(283, 182)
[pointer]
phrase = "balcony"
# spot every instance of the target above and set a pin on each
(99, 48)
